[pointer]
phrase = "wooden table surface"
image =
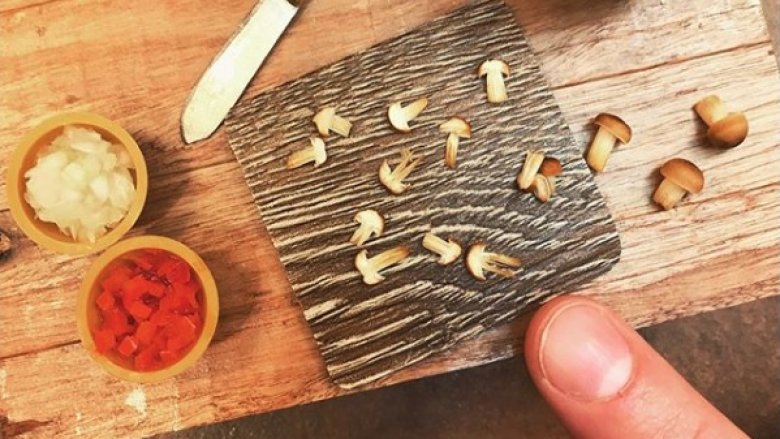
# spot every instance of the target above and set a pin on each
(646, 60)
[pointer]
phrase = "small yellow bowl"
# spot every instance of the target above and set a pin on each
(47, 234)
(88, 317)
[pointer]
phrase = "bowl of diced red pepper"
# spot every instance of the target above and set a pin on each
(147, 309)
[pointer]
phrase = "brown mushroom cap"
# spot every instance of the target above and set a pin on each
(729, 132)
(615, 125)
(684, 174)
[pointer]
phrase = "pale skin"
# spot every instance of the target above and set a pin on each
(604, 381)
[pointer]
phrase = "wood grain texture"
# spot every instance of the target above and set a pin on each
(368, 332)
(646, 60)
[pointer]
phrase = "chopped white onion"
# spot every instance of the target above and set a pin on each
(81, 183)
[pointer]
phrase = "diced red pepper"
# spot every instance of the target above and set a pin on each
(105, 300)
(114, 281)
(179, 273)
(139, 310)
(135, 287)
(116, 320)
(169, 357)
(127, 346)
(156, 288)
(161, 317)
(157, 314)
(147, 360)
(145, 333)
(104, 340)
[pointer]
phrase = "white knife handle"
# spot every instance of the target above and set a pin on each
(230, 72)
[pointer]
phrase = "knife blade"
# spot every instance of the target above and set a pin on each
(225, 80)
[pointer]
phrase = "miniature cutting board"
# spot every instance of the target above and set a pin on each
(367, 332)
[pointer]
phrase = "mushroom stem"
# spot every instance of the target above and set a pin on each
(451, 152)
(341, 126)
(668, 194)
(496, 89)
(600, 149)
(533, 161)
(542, 188)
(501, 265)
(414, 109)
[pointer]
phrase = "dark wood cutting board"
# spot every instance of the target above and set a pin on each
(367, 332)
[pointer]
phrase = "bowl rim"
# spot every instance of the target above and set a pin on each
(210, 295)
(16, 201)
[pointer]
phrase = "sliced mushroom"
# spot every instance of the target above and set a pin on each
(533, 161)
(495, 70)
(457, 128)
(551, 167)
(370, 268)
(449, 251)
(315, 153)
(393, 180)
(543, 187)
(327, 120)
(371, 223)
(611, 130)
(680, 178)
(400, 116)
(478, 261)
(726, 130)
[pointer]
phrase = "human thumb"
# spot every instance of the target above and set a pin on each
(604, 381)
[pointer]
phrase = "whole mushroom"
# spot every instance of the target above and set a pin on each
(680, 178)
(726, 130)
(611, 130)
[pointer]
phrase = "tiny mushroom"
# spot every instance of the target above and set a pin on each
(478, 261)
(543, 187)
(457, 128)
(495, 70)
(726, 130)
(611, 130)
(327, 120)
(370, 267)
(315, 153)
(400, 116)
(533, 161)
(393, 180)
(680, 177)
(449, 251)
(371, 223)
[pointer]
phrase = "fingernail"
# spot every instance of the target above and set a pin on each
(583, 355)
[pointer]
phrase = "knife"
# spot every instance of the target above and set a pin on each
(227, 77)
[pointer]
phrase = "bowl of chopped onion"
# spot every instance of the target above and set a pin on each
(77, 183)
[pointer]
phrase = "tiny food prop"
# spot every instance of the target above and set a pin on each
(611, 130)
(449, 251)
(369, 268)
(680, 178)
(393, 179)
(457, 128)
(150, 309)
(327, 120)
(371, 223)
(400, 116)
(81, 183)
(316, 153)
(726, 130)
(495, 70)
(479, 260)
